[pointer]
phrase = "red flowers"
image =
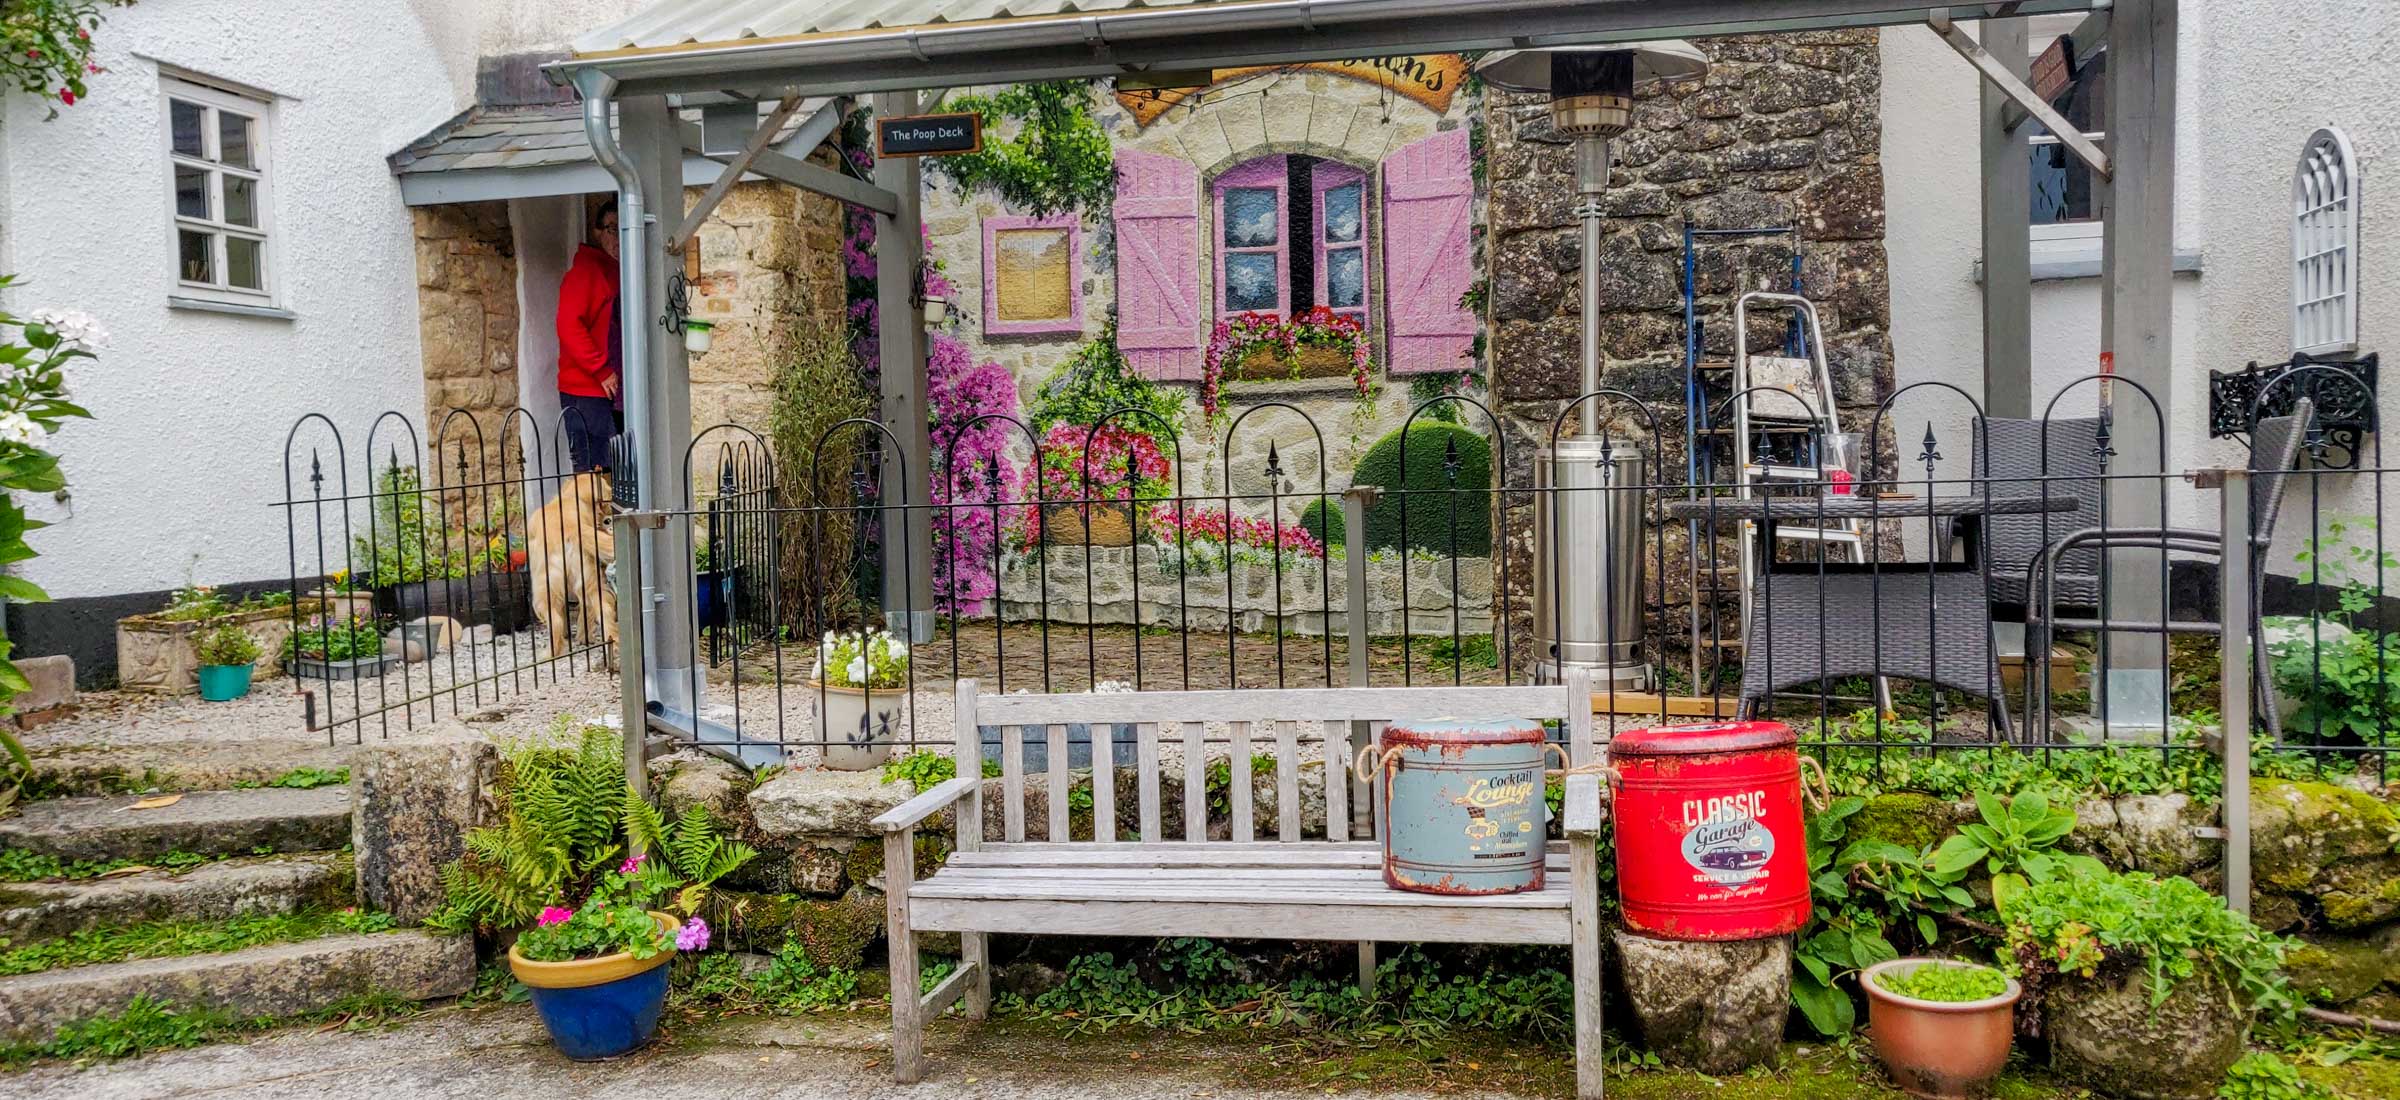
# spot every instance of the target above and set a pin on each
(1235, 337)
(1206, 525)
(66, 96)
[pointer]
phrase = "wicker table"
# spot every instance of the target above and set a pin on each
(1816, 621)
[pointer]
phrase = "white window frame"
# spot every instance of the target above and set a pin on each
(2325, 213)
(260, 110)
(2061, 241)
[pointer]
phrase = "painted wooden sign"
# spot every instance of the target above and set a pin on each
(928, 135)
(1430, 79)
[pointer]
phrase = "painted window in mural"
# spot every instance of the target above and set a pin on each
(1032, 276)
(1291, 236)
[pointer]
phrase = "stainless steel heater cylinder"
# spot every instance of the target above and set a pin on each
(1588, 599)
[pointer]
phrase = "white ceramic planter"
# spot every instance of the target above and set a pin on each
(697, 336)
(858, 729)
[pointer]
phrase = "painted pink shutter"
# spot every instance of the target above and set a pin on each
(1428, 202)
(1158, 265)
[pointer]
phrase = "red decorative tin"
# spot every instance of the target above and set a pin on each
(1710, 841)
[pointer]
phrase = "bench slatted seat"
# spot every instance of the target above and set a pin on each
(1270, 879)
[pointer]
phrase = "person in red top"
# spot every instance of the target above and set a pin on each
(591, 349)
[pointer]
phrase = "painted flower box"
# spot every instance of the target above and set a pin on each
(1110, 525)
(161, 656)
(1261, 363)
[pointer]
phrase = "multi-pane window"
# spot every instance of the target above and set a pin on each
(1292, 236)
(217, 157)
(2325, 246)
(2077, 86)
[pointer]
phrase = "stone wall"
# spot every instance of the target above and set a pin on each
(770, 264)
(1784, 131)
(467, 329)
(1197, 600)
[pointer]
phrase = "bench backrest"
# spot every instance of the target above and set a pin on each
(1283, 722)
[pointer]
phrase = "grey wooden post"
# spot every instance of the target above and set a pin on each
(2236, 669)
(1355, 502)
(2137, 261)
(908, 537)
(654, 144)
(2007, 234)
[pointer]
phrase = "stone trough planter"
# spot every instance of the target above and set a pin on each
(162, 656)
(503, 601)
(355, 668)
(2104, 1033)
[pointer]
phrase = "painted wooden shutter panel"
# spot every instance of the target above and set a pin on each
(1158, 265)
(1428, 207)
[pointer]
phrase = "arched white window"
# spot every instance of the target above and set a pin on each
(2325, 246)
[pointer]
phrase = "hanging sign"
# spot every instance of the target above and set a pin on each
(1430, 79)
(928, 135)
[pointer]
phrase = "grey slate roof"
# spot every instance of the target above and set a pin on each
(499, 137)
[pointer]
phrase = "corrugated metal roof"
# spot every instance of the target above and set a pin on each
(717, 22)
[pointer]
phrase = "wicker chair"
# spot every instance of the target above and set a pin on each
(2275, 448)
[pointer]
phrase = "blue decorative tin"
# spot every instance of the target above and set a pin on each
(1462, 810)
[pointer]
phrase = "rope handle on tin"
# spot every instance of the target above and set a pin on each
(1566, 767)
(1366, 767)
(1821, 795)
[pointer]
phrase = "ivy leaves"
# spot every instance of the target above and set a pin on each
(1058, 161)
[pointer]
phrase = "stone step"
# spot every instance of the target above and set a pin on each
(205, 823)
(178, 765)
(273, 981)
(36, 911)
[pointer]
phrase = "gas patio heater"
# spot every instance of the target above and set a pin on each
(1587, 580)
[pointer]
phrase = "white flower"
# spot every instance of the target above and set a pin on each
(1112, 687)
(857, 670)
(73, 326)
(16, 427)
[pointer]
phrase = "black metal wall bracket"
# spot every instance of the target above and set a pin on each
(2342, 390)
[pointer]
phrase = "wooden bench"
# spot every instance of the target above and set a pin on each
(1140, 882)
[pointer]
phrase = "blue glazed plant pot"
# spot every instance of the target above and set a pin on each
(599, 1008)
(224, 683)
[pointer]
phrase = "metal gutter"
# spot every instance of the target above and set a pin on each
(1266, 32)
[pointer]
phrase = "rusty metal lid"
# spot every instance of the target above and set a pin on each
(1704, 738)
(1463, 731)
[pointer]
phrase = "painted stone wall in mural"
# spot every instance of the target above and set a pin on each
(1286, 263)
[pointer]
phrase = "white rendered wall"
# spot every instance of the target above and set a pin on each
(547, 231)
(187, 451)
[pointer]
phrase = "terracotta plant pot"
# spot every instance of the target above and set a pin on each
(1939, 1050)
(603, 1007)
(2105, 1034)
(858, 731)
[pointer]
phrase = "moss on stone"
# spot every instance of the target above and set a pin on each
(865, 862)
(2361, 892)
(2333, 970)
(1912, 821)
(837, 933)
(2300, 829)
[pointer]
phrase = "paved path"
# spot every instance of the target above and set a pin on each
(499, 1053)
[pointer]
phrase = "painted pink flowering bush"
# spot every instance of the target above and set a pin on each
(973, 472)
(1211, 528)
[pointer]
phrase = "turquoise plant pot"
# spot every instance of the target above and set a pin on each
(223, 683)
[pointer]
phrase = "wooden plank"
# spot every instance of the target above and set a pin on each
(957, 880)
(1287, 782)
(1997, 74)
(947, 992)
(1238, 788)
(1579, 724)
(926, 803)
(1181, 890)
(1012, 780)
(2007, 233)
(1337, 781)
(1146, 768)
(1226, 854)
(908, 1036)
(1218, 917)
(760, 138)
(974, 948)
(1584, 949)
(1674, 706)
(1059, 779)
(1104, 784)
(1195, 782)
(1255, 705)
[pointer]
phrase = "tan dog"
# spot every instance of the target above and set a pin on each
(569, 547)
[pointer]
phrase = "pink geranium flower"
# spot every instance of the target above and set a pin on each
(552, 914)
(693, 936)
(631, 864)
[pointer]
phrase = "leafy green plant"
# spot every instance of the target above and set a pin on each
(33, 388)
(925, 769)
(309, 778)
(566, 817)
(145, 1024)
(1946, 982)
(2013, 844)
(1058, 161)
(2261, 1075)
(2089, 924)
(334, 640)
(2348, 684)
(162, 939)
(1435, 496)
(1096, 382)
(229, 644)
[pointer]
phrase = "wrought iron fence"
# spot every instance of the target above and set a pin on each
(1881, 646)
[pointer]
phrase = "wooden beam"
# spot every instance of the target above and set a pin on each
(697, 216)
(2014, 87)
(2087, 37)
(785, 168)
(2007, 233)
(908, 527)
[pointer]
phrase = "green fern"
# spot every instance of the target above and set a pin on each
(567, 818)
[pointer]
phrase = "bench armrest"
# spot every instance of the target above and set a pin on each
(907, 815)
(1584, 808)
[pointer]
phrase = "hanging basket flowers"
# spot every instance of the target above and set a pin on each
(1241, 343)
